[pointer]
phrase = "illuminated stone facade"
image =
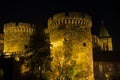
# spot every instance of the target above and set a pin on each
(73, 44)
(71, 34)
(103, 41)
(16, 36)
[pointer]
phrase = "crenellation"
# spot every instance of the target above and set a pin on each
(59, 16)
(80, 22)
(72, 32)
(10, 24)
(73, 18)
(16, 36)
(75, 14)
(68, 33)
(18, 27)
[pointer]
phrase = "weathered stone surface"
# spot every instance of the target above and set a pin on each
(71, 43)
(16, 36)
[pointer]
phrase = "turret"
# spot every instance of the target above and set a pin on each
(70, 33)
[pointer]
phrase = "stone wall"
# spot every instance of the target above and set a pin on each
(16, 36)
(71, 39)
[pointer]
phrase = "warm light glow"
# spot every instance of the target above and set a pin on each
(107, 75)
(17, 58)
(72, 46)
(16, 36)
(24, 68)
(57, 43)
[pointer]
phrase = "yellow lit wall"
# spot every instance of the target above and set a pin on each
(105, 39)
(24, 69)
(106, 44)
(72, 33)
(16, 36)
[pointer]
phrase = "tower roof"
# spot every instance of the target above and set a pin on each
(103, 31)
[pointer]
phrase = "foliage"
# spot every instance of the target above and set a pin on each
(28, 76)
(38, 52)
(63, 63)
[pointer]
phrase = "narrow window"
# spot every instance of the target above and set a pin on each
(84, 44)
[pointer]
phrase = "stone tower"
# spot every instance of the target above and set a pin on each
(71, 39)
(16, 37)
(105, 39)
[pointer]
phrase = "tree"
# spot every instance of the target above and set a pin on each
(38, 52)
(64, 67)
(63, 64)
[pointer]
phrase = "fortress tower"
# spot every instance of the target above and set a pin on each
(71, 39)
(16, 37)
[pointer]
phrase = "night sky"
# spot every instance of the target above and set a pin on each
(40, 11)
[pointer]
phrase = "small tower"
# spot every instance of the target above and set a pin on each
(71, 39)
(105, 39)
(16, 36)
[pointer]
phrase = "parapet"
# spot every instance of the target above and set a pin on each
(72, 18)
(18, 27)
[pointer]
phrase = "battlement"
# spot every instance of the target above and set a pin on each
(72, 18)
(18, 27)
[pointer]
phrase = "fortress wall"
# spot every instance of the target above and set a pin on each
(71, 33)
(74, 18)
(16, 36)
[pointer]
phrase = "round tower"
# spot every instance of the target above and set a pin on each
(71, 39)
(16, 37)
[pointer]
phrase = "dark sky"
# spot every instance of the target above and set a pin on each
(39, 11)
